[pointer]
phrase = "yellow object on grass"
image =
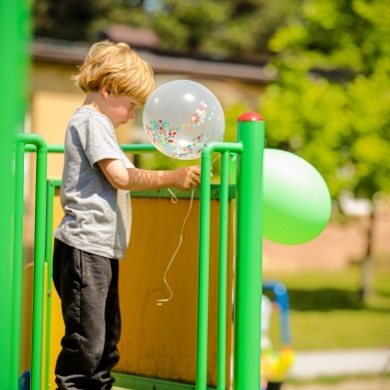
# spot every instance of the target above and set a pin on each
(275, 364)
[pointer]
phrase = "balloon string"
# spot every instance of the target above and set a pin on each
(174, 197)
(216, 158)
(164, 300)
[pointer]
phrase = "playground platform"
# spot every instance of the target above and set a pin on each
(334, 363)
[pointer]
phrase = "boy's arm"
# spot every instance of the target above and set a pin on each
(136, 179)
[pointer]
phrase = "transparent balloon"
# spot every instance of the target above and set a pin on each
(181, 117)
(296, 199)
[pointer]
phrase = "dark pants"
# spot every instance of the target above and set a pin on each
(88, 287)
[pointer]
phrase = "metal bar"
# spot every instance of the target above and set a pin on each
(50, 191)
(248, 277)
(222, 277)
(50, 148)
(39, 263)
(139, 148)
(18, 261)
(204, 259)
(54, 148)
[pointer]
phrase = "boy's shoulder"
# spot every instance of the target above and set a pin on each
(86, 114)
(85, 111)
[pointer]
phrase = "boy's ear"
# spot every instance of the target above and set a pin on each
(105, 92)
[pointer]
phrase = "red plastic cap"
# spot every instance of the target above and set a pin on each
(250, 117)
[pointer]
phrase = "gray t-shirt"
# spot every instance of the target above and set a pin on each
(97, 216)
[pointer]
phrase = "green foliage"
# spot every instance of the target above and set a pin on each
(220, 28)
(184, 25)
(74, 20)
(337, 33)
(67, 19)
(331, 103)
(215, 28)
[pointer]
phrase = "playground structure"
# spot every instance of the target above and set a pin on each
(247, 274)
(248, 249)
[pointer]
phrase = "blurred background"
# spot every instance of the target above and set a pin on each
(318, 71)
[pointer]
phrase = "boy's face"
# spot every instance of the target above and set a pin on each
(119, 109)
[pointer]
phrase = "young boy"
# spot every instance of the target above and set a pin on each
(94, 232)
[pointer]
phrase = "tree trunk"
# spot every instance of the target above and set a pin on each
(367, 285)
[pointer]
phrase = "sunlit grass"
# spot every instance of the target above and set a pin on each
(326, 312)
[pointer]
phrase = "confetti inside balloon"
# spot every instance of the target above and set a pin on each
(181, 117)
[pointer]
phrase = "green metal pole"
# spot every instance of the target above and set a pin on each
(14, 25)
(6, 245)
(17, 261)
(203, 280)
(248, 278)
(222, 272)
(39, 263)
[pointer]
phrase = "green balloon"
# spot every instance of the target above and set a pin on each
(296, 199)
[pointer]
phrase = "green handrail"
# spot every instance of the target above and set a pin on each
(50, 188)
(204, 256)
(39, 254)
(249, 168)
(141, 148)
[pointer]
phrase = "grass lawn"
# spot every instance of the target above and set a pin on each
(327, 314)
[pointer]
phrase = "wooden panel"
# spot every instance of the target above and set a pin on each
(160, 341)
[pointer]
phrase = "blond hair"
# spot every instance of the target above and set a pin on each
(117, 67)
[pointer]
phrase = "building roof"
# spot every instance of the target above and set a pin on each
(70, 53)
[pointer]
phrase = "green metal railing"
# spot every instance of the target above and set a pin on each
(39, 257)
(247, 154)
(42, 253)
(248, 263)
(204, 260)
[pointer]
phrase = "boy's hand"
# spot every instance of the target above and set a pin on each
(187, 177)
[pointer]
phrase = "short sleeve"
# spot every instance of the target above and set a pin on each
(98, 139)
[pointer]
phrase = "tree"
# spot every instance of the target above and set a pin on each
(75, 20)
(220, 29)
(237, 29)
(331, 102)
